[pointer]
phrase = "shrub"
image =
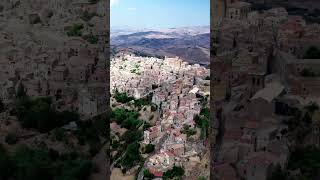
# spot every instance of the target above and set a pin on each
(91, 39)
(59, 134)
(131, 156)
(202, 178)
(94, 1)
(174, 172)
(40, 114)
(308, 73)
(189, 132)
(147, 174)
(75, 30)
(122, 97)
(11, 138)
(312, 53)
(86, 16)
(2, 106)
(149, 148)
(27, 163)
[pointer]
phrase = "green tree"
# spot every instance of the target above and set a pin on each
(149, 148)
(312, 53)
(6, 164)
(131, 156)
(277, 173)
(21, 91)
(132, 136)
(176, 171)
(122, 97)
(202, 178)
(307, 160)
(312, 107)
(188, 131)
(308, 73)
(2, 106)
(59, 134)
(147, 175)
(91, 39)
(11, 138)
(75, 30)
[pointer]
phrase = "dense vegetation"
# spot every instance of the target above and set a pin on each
(175, 172)
(312, 53)
(92, 132)
(149, 148)
(128, 147)
(143, 101)
(302, 159)
(126, 118)
(131, 156)
(202, 121)
(11, 138)
(122, 97)
(94, 1)
(188, 131)
(307, 160)
(40, 113)
(75, 30)
(2, 106)
(27, 163)
(277, 173)
(147, 175)
(91, 39)
(309, 73)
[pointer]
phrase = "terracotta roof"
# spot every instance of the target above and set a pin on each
(155, 172)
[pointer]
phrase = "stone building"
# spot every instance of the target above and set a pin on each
(238, 10)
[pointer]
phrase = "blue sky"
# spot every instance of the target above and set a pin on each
(160, 13)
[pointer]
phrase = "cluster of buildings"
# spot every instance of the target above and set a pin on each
(37, 51)
(259, 64)
(176, 88)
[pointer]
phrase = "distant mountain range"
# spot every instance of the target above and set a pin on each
(189, 43)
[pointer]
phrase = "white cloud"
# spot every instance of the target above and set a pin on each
(114, 2)
(132, 9)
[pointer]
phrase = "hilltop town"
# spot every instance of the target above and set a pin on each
(55, 53)
(167, 101)
(266, 93)
(53, 88)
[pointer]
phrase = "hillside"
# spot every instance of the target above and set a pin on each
(191, 43)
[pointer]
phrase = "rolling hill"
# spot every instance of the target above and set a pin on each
(190, 43)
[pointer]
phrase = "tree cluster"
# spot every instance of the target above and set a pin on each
(27, 163)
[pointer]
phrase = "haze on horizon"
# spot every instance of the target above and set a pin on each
(159, 14)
